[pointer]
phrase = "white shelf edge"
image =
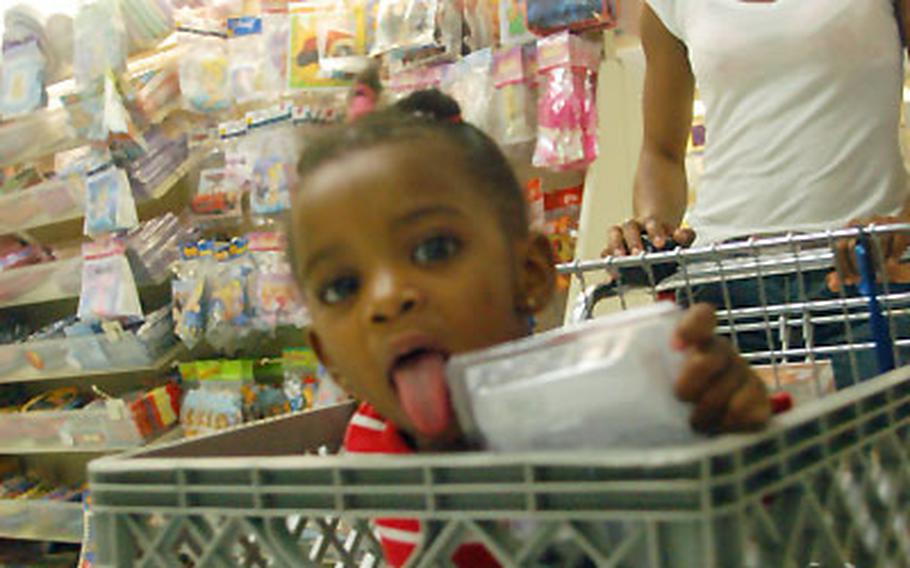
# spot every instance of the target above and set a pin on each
(33, 507)
(159, 364)
(167, 436)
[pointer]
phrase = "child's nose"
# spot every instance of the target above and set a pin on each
(392, 299)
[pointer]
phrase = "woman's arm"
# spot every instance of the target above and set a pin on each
(660, 193)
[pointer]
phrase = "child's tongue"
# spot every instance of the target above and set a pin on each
(421, 384)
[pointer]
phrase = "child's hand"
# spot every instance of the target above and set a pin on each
(727, 395)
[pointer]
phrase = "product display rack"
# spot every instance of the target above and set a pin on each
(66, 440)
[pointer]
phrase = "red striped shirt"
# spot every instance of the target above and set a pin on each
(370, 433)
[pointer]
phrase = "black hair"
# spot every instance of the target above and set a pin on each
(370, 77)
(422, 114)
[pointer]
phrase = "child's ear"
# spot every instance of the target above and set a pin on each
(316, 345)
(537, 274)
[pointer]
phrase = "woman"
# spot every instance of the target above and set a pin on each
(802, 103)
(803, 112)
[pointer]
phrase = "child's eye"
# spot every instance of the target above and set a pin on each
(339, 290)
(436, 249)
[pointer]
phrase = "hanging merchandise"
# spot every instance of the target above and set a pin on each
(404, 23)
(515, 77)
(546, 17)
(513, 22)
(342, 39)
(204, 74)
(188, 291)
(219, 194)
(470, 82)
(228, 307)
(99, 42)
(274, 296)
(275, 38)
(246, 53)
(418, 31)
(562, 210)
(109, 204)
(85, 110)
(481, 23)
(567, 107)
(22, 89)
(108, 288)
(272, 153)
(303, 68)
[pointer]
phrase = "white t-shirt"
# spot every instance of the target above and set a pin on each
(802, 102)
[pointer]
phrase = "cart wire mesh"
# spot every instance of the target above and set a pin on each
(826, 484)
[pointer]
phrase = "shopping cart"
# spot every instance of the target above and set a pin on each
(826, 484)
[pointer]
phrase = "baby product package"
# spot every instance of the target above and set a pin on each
(607, 383)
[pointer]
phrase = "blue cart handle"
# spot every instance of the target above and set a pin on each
(881, 335)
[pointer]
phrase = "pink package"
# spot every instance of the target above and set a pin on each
(567, 110)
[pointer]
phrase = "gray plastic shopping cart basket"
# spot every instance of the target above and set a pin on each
(827, 484)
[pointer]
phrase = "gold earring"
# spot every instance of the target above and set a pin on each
(531, 303)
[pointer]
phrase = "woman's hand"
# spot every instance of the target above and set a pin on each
(891, 246)
(626, 239)
(728, 396)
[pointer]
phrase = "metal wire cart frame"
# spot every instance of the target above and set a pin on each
(826, 484)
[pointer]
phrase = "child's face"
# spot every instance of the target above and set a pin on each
(403, 265)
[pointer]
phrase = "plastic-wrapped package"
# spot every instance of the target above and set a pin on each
(274, 297)
(276, 29)
(109, 204)
(562, 210)
(514, 74)
(604, 384)
(218, 194)
(470, 82)
(188, 291)
(513, 22)
(413, 32)
(342, 39)
(567, 106)
(246, 52)
(481, 23)
(205, 79)
(228, 304)
(108, 288)
(273, 161)
(22, 88)
(99, 39)
(404, 23)
(546, 16)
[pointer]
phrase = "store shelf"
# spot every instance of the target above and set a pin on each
(102, 429)
(63, 201)
(120, 358)
(41, 520)
(41, 133)
(47, 282)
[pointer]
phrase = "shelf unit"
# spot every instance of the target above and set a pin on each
(69, 372)
(44, 440)
(40, 519)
